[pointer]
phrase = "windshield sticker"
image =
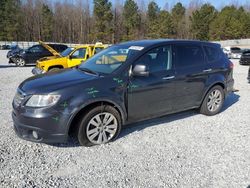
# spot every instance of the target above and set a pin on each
(92, 91)
(139, 48)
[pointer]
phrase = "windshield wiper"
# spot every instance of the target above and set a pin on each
(88, 71)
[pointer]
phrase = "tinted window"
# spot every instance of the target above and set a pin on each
(189, 55)
(235, 50)
(37, 49)
(157, 59)
(58, 47)
(247, 53)
(98, 49)
(212, 53)
(67, 52)
(80, 53)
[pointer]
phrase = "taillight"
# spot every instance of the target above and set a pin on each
(231, 65)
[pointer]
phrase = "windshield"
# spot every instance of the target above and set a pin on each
(110, 59)
(66, 52)
(98, 49)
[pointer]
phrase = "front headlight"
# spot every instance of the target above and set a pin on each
(42, 100)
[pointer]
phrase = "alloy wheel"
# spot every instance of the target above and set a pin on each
(20, 62)
(214, 100)
(102, 128)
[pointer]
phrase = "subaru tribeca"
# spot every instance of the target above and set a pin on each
(124, 83)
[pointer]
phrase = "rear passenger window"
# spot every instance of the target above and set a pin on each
(212, 53)
(189, 55)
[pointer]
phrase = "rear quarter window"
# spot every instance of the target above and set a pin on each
(212, 53)
(189, 55)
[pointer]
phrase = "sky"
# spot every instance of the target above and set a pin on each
(217, 3)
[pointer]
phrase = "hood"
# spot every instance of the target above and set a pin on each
(53, 51)
(52, 81)
(48, 58)
(17, 51)
(52, 60)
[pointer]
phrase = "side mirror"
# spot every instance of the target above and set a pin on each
(140, 70)
(70, 57)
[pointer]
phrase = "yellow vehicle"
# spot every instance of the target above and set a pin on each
(70, 57)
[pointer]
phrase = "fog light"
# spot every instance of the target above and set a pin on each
(34, 134)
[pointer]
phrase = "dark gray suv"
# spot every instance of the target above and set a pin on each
(124, 83)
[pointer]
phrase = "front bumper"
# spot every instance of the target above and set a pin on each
(37, 71)
(47, 129)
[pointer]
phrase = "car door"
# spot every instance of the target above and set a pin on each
(152, 95)
(77, 57)
(191, 75)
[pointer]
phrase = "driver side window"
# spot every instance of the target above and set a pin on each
(80, 53)
(157, 59)
(36, 49)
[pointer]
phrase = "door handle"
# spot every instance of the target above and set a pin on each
(168, 77)
(207, 70)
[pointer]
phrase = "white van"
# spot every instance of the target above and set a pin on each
(232, 52)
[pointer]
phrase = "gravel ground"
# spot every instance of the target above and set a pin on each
(182, 150)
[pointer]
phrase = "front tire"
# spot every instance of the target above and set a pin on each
(100, 125)
(54, 69)
(20, 62)
(213, 101)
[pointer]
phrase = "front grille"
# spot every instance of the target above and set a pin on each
(19, 97)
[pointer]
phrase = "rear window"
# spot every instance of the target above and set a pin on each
(212, 53)
(235, 50)
(189, 55)
(59, 47)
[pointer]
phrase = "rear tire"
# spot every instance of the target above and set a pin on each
(213, 101)
(100, 125)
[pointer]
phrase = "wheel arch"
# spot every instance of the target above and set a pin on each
(210, 87)
(55, 66)
(76, 117)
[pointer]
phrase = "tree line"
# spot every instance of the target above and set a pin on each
(84, 21)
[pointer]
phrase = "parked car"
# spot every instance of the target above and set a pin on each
(15, 49)
(35, 52)
(5, 47)
(70, 57)
(245, 58)
(124, 83)
(232, 52)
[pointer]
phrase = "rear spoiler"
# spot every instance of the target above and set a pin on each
(53, 51)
